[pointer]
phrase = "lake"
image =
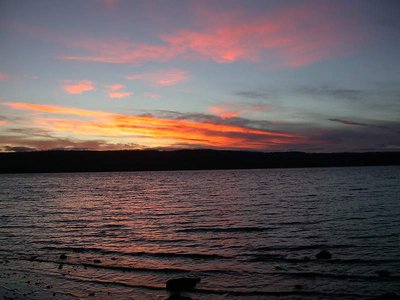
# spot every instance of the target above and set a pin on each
(248, 234)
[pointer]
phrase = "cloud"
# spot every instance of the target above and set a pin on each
(32, 143)
(78, 87)
(353, 123)
(152, 95)
(154, 131)
(115, 91)
(5, 76)
(228, 110)
(53, 109)
(3, 122)
(162, 78)
(288, 36)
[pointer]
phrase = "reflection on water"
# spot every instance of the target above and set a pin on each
(246, 233)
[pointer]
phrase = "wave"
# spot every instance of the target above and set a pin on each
(138, 254)
(352, 261)
(338, 276)
(358, 237)
(304, 247)
(227, 229)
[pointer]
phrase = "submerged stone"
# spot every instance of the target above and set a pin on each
(384, 273)
(324, 255)
(181, 284)
(63, 256)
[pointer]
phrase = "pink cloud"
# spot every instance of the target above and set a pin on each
(78, 87)
(228, 110)
(162, 78)
(5, 76)
(115, 91)
(291, 36)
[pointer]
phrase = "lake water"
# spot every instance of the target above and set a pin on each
(245, 233)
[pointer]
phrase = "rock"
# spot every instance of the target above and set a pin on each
(178, 297)
(181, 284)
(384, 273)
(388, 296)
(60, 266)
(63, 256)
(306, 258)
(97, 261)
(324, 255)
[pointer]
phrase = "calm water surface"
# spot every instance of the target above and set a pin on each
(246, 233)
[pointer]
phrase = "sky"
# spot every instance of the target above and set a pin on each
(273, 75)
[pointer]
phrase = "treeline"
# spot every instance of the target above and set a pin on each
(151, 160)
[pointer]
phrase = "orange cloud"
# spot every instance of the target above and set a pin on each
(162, 78)
(3, 122)
(53, 109)
(115, 91)
(78, 87)
(291, 36)
(155, 131)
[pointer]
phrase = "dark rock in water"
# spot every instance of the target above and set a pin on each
(97, 261)
(178, 297)
(63, 256)
(306, 258)
(278, 268)
(324, 255)
(383, 273)
(298, 287)
(60, 266)
(181, 284)
(388, 296)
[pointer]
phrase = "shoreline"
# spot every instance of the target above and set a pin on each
(151, 160)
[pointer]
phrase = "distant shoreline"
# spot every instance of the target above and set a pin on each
(154, 160)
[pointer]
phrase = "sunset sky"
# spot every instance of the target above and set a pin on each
(315, 76)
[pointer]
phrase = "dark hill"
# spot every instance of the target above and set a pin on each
(146, 160)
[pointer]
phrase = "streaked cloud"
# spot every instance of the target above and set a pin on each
(152, 95)
(353, 123)
(116, 91)
(161, 78)
(154, 131)
(78, 87)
